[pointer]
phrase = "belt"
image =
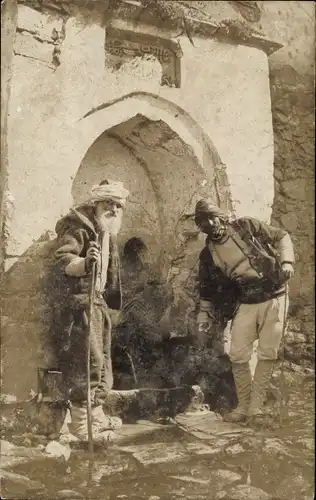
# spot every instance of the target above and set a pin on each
(259, 291)
(263, 297)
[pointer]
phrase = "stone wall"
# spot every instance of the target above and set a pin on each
(293, 208)
(293, 103)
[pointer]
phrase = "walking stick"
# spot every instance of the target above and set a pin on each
(91, 301)
(283, 354)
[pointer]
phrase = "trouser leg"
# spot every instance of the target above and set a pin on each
(271, 326)
(243, 335)
(106, 374)
(74, 364)
(98, 332)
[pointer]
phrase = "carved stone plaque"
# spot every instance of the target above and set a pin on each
(123, 45)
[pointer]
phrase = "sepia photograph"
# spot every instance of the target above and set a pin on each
(157, 250)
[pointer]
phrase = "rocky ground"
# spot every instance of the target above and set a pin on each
(194, 455)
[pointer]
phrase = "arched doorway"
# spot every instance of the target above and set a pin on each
(162, 172)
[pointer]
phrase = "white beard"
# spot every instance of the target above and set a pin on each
(110, 225)
(116, 225)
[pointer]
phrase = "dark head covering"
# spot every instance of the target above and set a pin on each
(206, 208)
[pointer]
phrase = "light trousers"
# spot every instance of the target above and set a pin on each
(263, 322)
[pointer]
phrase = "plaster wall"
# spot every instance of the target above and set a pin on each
(224, 96)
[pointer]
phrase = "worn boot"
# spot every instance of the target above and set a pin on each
(242, 378)
(104, 422)
(102, 426)
(260, 386)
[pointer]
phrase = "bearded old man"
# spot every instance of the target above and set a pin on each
(87, 235)
(247, 263)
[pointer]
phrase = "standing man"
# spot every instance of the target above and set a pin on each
(87, 235)
(245, 265)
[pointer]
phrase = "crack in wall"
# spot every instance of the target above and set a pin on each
(35, 35)
(56, 40)
(59, 39)
(33, 58)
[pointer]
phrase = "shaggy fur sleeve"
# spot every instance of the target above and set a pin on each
(70, 255)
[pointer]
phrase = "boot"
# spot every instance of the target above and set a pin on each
(102, 426)
(104, 422)
(260, 386)
(242, 377)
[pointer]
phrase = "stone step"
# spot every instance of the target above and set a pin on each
(142, 403)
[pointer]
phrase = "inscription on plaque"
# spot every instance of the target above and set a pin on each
(122, 46)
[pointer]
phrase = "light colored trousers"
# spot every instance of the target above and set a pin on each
(263, 322)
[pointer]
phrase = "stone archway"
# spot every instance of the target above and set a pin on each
(155, 108)
(162, 173)
(162, 155)
(158, 108)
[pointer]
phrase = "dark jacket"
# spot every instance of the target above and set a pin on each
(75, 232)
(261, 243)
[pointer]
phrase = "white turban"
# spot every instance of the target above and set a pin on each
(114, 190)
